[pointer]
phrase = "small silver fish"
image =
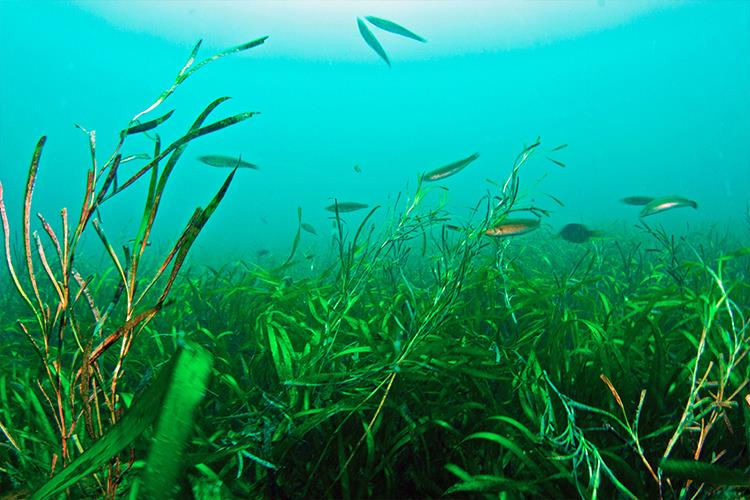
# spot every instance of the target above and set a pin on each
(346, 206)
(666, 203)
(226, 162)
(450, 169)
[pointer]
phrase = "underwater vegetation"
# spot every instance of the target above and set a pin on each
(418, 359)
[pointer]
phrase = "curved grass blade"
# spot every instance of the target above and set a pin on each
(297, 236)
(373, 42)
(391, 27)
(146, 126)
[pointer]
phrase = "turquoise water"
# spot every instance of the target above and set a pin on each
(652, 99)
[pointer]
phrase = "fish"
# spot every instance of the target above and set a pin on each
(226, 162)
(307, 227)
(555, 199)
(346, 206)
(372, 41)
(513, 227)
(666, 203)
(450, 169)
(391, 27)
(556, 162)
(577, 233)
(357, 168)
(637, 200)
(558, 148)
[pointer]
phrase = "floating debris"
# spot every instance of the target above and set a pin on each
(222, 161)
(666, 203)
(450, 169)
(391, 27)
(309, 228)
(346, 206)
(637, 200)
(577, 233)
(514, 227)
(373, 42)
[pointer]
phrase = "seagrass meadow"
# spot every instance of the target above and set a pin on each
(384, 293)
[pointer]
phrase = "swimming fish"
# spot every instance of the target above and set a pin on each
(226, 162)
(556, 162)
(637, 200)
(577, 233)
(513, 227)
(357, 168)
(391, 27)
(346, 206)
(373, 42)
(450, 169)
(666, 203)
(309, 228)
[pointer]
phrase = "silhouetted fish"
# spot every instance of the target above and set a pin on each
(637, 200)
(346, 206)
(577, 233)
(226, 162)
(391, 27)
(373, 42)
(450, 169)
(513, 227)
(307, 227)
(666, 203)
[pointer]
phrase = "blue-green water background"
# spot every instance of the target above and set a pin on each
(656, 104)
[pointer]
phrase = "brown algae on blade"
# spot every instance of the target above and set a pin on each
(666, 203)
(513, 227)
(372, 41)
(450, 169)
(391, 27)
(223, 161)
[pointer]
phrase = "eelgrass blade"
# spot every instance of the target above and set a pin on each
(704, 472)
(9, 260)
(175, 424)
(194, 227)
(188, 69)
(181, 384)
(232, 50)
(396, 29)
(192, 134)
(30, 183)
(295, 243)
(146, 126)
(372, 41)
